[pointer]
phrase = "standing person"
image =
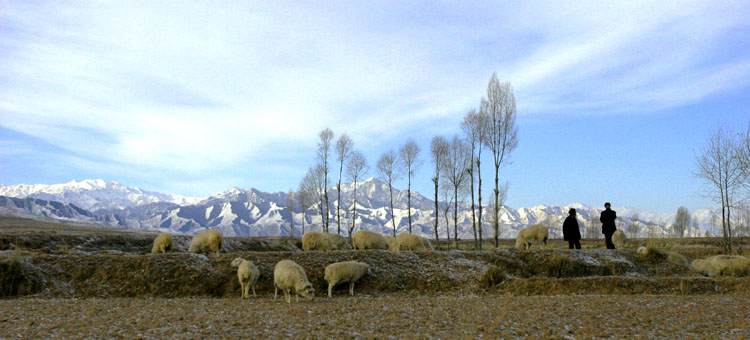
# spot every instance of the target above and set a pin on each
(607, 218)
(570, 230)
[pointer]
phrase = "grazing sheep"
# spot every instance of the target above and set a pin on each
(248, 275)
(162, 243)
(365, 239)
(406, 241)
(345, 272)
(537, 232)
(677, 258)
(207, 241)
(619, 239)
(729, 265)
(391, 241)
(340, 242)
(313, 240)
(703, 267)
(642, 250)
(288, 276)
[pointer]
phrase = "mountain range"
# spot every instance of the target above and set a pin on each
(238, 212)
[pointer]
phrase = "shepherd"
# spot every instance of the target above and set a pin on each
(570, 230)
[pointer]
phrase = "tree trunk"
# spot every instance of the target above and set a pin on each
(496, 218)
(455, 216)
(303, 223)
(437, 212)
(338, 205)
(473, 213)
(479, 192)
(447, 225)
(393, 217)
(408, 197)
(354, 212)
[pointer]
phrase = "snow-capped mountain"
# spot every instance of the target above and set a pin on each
(53, 209)
(238, 212)
(92, 194)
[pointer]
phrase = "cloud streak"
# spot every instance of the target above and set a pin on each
(190, 88)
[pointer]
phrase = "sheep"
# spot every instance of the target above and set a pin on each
(426, 243)
(162, 243)
(671, 256)
(340, 242)
(537, 232)
(209, 240)
(391, 241)
(345, 272)
(407, 241)
(248, 275)
(619, 239)
(703, 267)
(729, 265)
(288, 276)
(313, 240)
(642, 250)
(365, 239)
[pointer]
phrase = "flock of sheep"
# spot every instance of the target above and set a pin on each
(290, 276)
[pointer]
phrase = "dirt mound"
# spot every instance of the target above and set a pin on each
(551, 271)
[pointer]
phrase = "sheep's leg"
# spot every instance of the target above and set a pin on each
(296, 295)
(330, 290)
(242, 289)
(246, 290)
(275, 291)
(253, 286)
(351, 288)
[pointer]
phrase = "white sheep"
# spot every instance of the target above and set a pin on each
(313, 240)
(619, 239)
(288, 276)
(642, 250)
(426, 243)
(537, 232)
(207, 241)
(704, 267)
(162, 243)
(410, 242)
(248, 275)
(341, 272)
(340, 242)
(365, 239)
(729, 265)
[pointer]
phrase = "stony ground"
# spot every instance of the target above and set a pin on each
(381, 317)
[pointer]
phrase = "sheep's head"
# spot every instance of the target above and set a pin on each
(308, 292)
(237, 262)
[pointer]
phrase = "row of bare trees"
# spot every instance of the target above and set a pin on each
(724, 165)
(457, 164)
(458, 161)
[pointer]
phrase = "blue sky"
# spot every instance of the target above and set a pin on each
(194, 98)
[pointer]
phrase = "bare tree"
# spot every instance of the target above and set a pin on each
(719, 165)
(313, 183)
(448, 199)
(304, 199)
(356, 167)
(681, 221)
(473, 126)
(438, 150)
(456, 161)
(324, 152)
(290, 209)
(634, 228)
(595, 228)
(494, 215)
(387, 171)
(343, 149)
(502, 133)
(409, 159)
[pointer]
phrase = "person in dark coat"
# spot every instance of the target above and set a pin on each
(571, 233)
(607, 218)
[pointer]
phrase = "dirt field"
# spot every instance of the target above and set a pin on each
(381, 317)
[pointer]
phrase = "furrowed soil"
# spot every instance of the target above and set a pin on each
(382, 317)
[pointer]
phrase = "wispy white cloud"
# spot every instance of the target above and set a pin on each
(195, 87)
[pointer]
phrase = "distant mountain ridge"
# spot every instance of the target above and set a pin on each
(238, 212)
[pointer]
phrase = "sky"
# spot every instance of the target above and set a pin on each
(193, 98)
